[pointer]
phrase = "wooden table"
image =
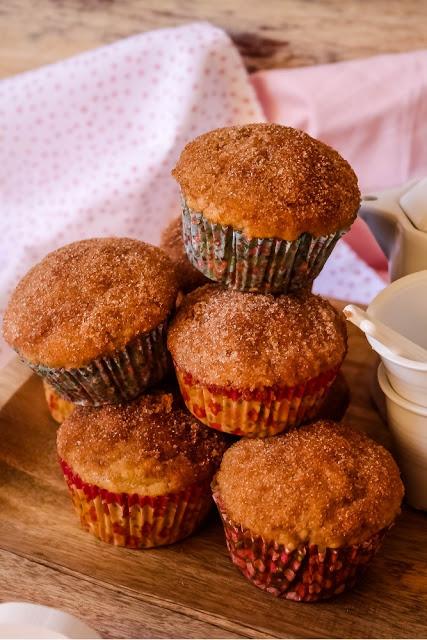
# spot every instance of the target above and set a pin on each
(273, 33)
(189, 589)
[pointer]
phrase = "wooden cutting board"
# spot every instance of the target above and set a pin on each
(190, 589)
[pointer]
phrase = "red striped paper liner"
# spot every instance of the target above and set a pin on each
(136, 521)
(59, 408)
(255, 413)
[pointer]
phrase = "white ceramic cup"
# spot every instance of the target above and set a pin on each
(407, 422)
(28, 620)
(403, 306)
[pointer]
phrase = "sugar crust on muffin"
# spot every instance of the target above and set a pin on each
(248, 340)
(268, 180)
(88, 299)
(149, 447)
(325, 483)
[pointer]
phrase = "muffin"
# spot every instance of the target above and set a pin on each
(253, 364)
(172, 243)
(305, 513)
(336, 401)
(139, 474)
(59, 408)
(263, 205)
(91, 319)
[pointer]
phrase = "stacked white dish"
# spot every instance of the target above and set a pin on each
(403, 307)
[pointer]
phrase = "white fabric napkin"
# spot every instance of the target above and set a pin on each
(88, 145)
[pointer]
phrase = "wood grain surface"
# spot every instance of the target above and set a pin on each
(189, 589)
(273, 33)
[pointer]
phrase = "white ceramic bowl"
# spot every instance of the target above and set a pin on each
(407, 422)
(403, 306)
(28, 620)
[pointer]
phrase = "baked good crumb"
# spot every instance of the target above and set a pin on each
(172, 243)
(248, 340)
(88, 299)
(268, 180)
(325, 483)
(151, 446)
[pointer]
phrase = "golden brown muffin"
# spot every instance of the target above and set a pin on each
(59, 408)
(323, 484)
(268, 180)
(139, 474)
(248, 341)
(255, 365)
(89, 299)
(171, 242)
(149, 447)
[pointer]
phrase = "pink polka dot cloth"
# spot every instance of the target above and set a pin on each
(88, 144)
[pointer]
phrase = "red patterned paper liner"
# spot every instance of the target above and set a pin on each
(254, 413)
(136, 521)
(304, 574)
(59, 408)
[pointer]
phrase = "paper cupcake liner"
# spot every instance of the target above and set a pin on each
(266, 265)
(304, 574)
(59, 408)
(258, 413)
(114, 379)
(135, 521)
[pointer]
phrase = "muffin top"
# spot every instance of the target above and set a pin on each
(268, 181)
(150, 447)
(325, 484)
(171, 242)
(88, 299)
(249, 340)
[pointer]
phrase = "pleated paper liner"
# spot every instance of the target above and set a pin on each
(135, 521)
(304, 574)
(59, 408)
(114, 379)
(258, 413)
(265, 265)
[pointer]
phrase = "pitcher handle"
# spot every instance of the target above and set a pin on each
(383, 225)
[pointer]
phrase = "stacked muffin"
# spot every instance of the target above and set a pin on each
(91, 319)
(263, 206)
(255, 354)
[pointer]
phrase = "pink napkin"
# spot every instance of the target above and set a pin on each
(88, 145)
(374, 111)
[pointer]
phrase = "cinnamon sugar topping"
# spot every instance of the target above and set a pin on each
(325, 484)
(88, 299)
(268, 181)
(150, 446)
(249, 340)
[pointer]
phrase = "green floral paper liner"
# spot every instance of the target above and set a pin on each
(266, 265)
(114, 379)
(304, 574)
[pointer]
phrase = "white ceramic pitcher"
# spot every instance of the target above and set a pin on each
(398, 220)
